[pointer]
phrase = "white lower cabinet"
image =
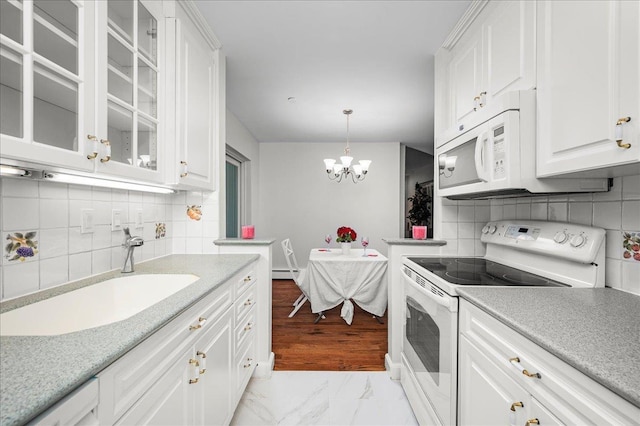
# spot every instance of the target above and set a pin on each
(504, 378)
(77, 408)
(187, 373)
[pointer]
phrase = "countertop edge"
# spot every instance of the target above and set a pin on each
(628, 393)
(247, 242)
(412, 242)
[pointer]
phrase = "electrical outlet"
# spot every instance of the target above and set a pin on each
(139, 222)
(116, 220)
(86, 226)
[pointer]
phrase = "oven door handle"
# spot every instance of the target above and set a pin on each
(442, 301)
(479, 160)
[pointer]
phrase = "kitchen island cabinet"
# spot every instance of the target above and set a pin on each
(156, 341)
(561, 356)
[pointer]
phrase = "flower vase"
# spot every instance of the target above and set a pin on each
(346, 248)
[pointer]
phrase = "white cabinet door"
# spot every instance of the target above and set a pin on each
(588, 53)
(130, 98)
(509, 49)
(170, 401)
(495, 55)
(214, 350)
(466, 76)
(197, 112)
(46, 82)
(486, 393)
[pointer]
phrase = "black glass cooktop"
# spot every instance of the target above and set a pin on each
(478, 271)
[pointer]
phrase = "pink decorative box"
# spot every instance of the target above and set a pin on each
(248, 232)
(419, 232)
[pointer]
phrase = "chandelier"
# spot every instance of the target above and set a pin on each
(339, 171)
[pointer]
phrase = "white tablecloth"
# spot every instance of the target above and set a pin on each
(333, 278)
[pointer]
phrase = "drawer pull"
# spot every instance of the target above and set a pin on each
(248, 327)
(248, 302)
(203, 361)
(516, 404)
(516, 362)
(513, 420)
(248, 363)
(201, 322)
(196, 364)
(247, 278)
(94, 147)
(619, 124)
(532, 422)
(107, 149)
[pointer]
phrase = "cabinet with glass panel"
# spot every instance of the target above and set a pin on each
(79, 85)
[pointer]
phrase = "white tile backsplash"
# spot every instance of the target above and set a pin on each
(615, 211)
(53, 211)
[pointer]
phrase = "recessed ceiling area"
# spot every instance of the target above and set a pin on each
(375, 57)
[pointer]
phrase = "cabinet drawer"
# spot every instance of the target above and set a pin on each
(125, 381)
(569, 394)
(245, 364)
(245, 279)
(244, 303)
(246, 328)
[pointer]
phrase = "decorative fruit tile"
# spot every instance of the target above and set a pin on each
(631, 246)
(161, 230)
(21, 246)
(194, 212)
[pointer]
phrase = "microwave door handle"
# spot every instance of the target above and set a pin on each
(480, 165)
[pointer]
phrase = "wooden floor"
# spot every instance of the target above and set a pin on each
(330, 345)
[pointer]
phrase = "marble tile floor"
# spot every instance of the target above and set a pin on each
(324, 398)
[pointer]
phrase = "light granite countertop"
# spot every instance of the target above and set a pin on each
(597, 331)
(37, 371)
(412, 242)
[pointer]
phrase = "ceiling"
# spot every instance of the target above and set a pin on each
(375, 57)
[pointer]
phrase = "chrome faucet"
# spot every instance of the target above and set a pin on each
(130, 243)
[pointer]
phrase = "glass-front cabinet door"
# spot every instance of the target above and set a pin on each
(128, 97)
(45, 89)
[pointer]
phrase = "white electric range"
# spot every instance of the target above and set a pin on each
(518, 253)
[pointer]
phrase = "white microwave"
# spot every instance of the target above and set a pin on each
(497, 158)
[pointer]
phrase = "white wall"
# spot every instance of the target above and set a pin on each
(298, 201)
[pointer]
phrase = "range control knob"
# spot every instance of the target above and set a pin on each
(492, 229)
(485, 229)
(561, 237)
(578, 240)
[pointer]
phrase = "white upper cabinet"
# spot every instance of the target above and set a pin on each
(493, 54)
(198, 86)
(129, 98)
(80, 85)
(588, 68)
(46, 82)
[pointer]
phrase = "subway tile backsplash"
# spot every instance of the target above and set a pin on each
(64, 253)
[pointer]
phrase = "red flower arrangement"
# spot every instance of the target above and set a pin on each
(346, 235)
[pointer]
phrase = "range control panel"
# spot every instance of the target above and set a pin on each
(574, 242)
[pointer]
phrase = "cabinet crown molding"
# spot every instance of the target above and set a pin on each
(200, 22)
(464, 23)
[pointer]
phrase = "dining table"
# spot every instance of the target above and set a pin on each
(334, 277)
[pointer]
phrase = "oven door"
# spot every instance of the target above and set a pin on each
(431, 346)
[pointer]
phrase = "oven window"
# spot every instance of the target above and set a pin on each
(424, 336)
